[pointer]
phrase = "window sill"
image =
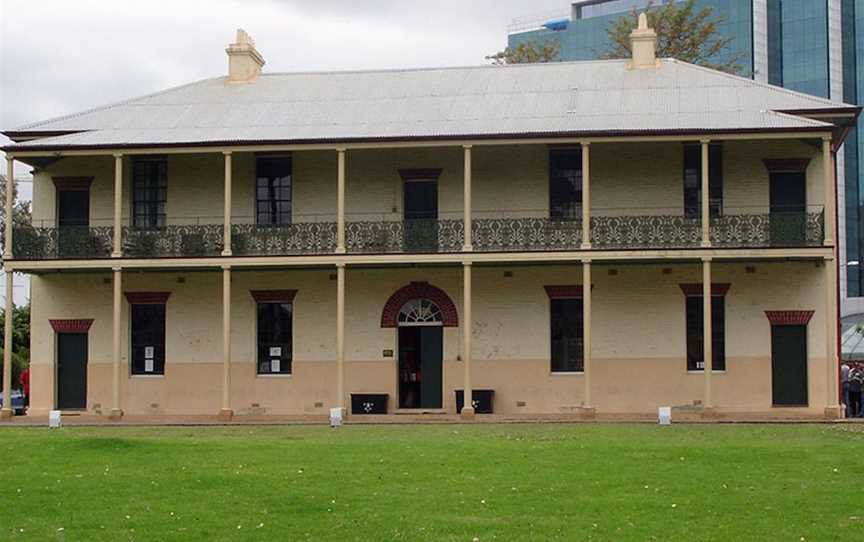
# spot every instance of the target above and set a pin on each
(566, 373)
(274, 375)
(713, 372)
(145, 376)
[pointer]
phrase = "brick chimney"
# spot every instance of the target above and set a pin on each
(244, 60)
(643, 43)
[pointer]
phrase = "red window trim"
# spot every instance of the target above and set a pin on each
(718, 289)
(420, 173)
(789, 318)
(786, 164)
(81, 325)
(564, 291)
(273, 296)
(77, 184)
(147, 298)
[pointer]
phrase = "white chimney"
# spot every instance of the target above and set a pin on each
(643, 43)
(244, 60)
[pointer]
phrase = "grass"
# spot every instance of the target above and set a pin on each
(454, 482)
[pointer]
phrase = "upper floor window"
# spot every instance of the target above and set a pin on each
(273, 190)
(693, 180)
(149, 193)
(565, 183)
(148, 338)
(567, 335)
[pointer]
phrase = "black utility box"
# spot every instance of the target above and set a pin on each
(368, 403)
(482, 401)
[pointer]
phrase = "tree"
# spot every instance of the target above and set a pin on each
(20, 210)
(682, 33)
(20, 340)
(527, 53)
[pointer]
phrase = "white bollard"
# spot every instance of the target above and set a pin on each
(664, 413)
(54, 419)
(335, 417)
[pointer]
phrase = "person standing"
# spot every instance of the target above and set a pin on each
(856, 380)
(845, 372)
(24, 379)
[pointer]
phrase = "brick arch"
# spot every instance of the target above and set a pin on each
(418, 290)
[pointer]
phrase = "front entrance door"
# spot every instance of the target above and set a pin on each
(421, 355)
(73, 221)
(71, 370)
(420, 203)
(788, 208)
(789, 365)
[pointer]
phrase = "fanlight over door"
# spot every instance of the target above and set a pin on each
(420, 312)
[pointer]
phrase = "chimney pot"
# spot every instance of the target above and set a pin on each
(244, 60)
(643, 43)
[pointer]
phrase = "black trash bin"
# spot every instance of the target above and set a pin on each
(368, 403)
(482, 401)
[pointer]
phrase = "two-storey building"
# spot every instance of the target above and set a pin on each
(570, 238)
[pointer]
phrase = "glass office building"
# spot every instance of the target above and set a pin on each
(811, 46)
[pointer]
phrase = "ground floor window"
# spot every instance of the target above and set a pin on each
(567, 335)
(275, 341)
(695, 333)
(148, 339)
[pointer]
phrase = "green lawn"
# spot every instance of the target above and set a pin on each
(434, 482)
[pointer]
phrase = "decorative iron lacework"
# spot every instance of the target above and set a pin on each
(420, 311)
(517, 234)
(69, 242)
(283, 240)
(417, 236)
(173, 241)
(659, 231)
(768, 230)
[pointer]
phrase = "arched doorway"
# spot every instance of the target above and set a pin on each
(420, 312)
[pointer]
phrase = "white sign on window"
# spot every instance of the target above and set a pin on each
(274, 365)
(148, 352)
(148, 365)
(275, 351)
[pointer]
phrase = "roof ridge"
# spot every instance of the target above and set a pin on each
(33, 125)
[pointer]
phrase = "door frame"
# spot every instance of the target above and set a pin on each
(797, 318)
(70, 327)
(400, 325)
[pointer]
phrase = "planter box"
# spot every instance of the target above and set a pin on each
(368, 403)
(483, 400)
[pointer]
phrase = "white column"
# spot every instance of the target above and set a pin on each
(586, 329)
(832, 406)
(468, 395)
(340, 336)
(117, 252)
(586, 196)
(9, 205)
(340, 203)
(116, 411)
(227, 212)
(830, 187)
(707, 332)
(706, 195)
(225, 413)
(467, 219)
(6, 412)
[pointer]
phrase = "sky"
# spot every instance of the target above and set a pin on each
(63, 56)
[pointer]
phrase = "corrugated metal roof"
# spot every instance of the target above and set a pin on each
(564, 97)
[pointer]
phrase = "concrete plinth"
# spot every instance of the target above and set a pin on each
(467, 413)
(116, 414)
(6, 414)
(225, 415)
(834, 412)
(710, 413)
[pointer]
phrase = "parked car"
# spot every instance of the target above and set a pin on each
(17, 402)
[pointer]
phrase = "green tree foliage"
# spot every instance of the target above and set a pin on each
(527, 53)
(20, 340)
(682, 33)
(20, 210)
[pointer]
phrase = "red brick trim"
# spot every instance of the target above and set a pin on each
(789, 318)
(273, 296)
(786, 164)
(71, 326)
(564, 291)
(421, 173)
(695, 289)
(417, 290)
(147, 298)
(79, 184)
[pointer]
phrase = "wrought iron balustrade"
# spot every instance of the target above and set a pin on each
(67, 242)
(283, 240)
(404, 236)
(525, 234)
(778, 229)
(173, 241)
(645, 232)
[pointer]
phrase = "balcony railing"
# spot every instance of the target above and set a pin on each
(611, 229)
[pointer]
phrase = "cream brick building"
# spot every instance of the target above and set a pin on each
(282, 244)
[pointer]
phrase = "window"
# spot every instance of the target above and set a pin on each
(274, 338)
(149, 193)
(148, 339)
(567, 338)
(565, 184)
(273, 190)
(693, 180)
(695, 351)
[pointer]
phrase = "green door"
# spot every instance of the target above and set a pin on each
(431, 358)
(789, 365)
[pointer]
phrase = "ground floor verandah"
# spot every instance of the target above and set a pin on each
(351, 327)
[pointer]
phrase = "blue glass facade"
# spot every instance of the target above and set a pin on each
(804, 44)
